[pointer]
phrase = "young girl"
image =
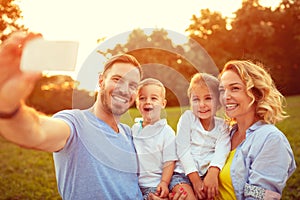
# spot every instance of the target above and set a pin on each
(202, 140)
(154, 140)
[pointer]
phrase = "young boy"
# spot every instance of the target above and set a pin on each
(202, 140)
(154, 140)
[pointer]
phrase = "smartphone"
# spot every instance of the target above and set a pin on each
(46, 55)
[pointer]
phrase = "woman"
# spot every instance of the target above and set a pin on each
(261, 159)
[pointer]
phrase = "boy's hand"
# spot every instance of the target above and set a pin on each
(162, 189)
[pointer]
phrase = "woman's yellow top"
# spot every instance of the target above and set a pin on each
(226, 190)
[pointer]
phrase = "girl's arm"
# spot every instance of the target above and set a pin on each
(183, 143)
(198, 185)
(211, 182)
(222, 147)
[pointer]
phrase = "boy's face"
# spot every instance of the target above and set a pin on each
(203, 103)
(150, 102)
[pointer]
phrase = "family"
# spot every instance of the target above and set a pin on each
(96, 157)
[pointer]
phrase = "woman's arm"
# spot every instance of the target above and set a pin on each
(271, 166)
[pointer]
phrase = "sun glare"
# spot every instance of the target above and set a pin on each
(270, 3)
(90, 21)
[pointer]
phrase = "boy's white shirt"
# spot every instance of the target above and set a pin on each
(198, 149)
(155, 145)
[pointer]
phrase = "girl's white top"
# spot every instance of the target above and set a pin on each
(198, 149)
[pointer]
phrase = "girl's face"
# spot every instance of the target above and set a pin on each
(234, 97)
(203, 103)
(150, 103)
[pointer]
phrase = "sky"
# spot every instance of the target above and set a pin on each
(86, 21)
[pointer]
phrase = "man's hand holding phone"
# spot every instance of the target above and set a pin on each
(23, 56)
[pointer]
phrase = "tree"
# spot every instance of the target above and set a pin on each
(257, 33)
(287, 37)
(271, 37)
(209, 30)
(253, 31)
(10, 18)
(59, 92)
(170, 63)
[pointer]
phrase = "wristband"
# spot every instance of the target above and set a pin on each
(9, 115)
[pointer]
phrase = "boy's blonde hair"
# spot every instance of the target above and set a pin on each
(260, 88)
(152, 81)
(205, 80)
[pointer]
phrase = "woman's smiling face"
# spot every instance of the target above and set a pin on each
(234, 97)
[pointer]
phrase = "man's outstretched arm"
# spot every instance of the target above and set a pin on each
(19, 123)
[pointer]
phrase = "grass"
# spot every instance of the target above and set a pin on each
(291, 128)
(29, 175)
(26, 174)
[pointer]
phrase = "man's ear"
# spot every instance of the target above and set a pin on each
(136, 101)
(100, 80)
(164, 103)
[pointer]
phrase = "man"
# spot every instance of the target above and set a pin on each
(94, 155)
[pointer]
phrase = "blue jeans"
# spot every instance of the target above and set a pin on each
(179, 178)
(146, 191)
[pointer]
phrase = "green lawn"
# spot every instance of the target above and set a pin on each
(26, 174)
(29, 174)
(291, 128)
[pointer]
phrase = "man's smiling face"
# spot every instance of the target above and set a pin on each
(118, 88)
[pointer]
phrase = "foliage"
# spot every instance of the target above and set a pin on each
(166, 61)
(10, 17)
(210, 31)
(28, 174)
(258, 33)
(55, 93)
(272, 37)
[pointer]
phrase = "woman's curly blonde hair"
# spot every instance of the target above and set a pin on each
(261, 89)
